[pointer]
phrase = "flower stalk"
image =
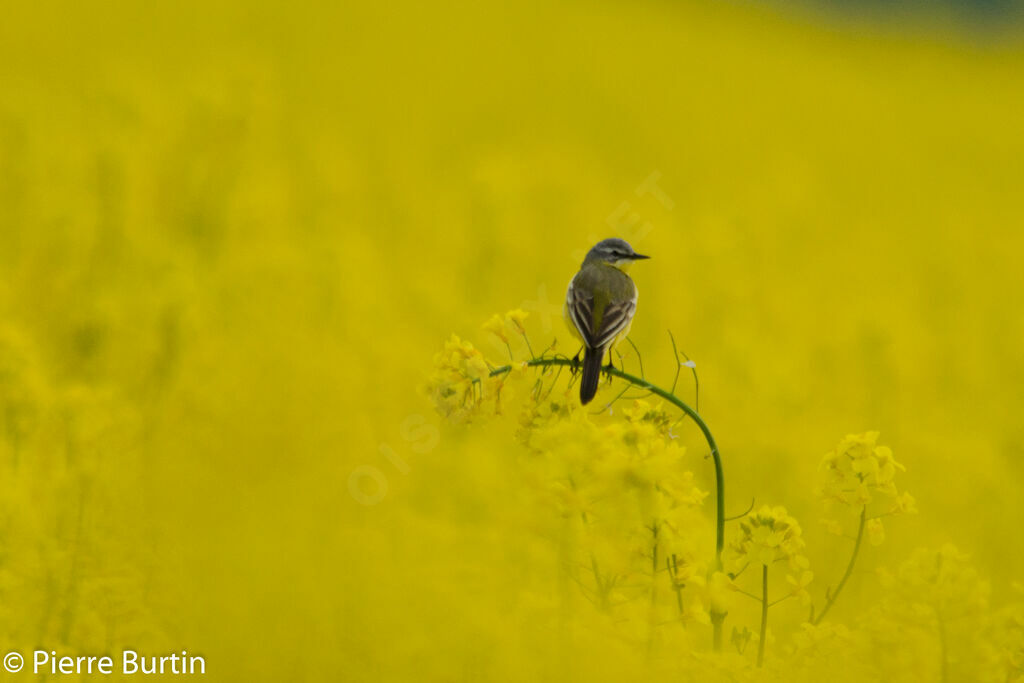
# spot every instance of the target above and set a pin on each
(764, 614)
(831, 597)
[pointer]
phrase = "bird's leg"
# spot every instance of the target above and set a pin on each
(607, 369)
(611, 362)
(576, 361)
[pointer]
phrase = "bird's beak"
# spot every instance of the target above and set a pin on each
(638, 257)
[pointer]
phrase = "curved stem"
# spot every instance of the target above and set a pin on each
(764, 614)
(744, 513)
(716, 456)
(849, 567)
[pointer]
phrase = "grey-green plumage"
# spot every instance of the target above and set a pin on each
(600, 305)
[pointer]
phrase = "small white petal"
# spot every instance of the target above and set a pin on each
(689, 364)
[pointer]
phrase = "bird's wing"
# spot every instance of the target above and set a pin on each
(580, 306)
(612, 316)
(616, 318)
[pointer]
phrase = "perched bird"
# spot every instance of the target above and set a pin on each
(599, 306)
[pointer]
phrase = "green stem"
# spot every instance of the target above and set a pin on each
(849, 567)
(764, 614)
(716, 619)
(651, 622)
(602, 593)
(654, 562)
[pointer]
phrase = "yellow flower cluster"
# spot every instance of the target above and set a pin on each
(461, 385)
(543, 411)
(940, 582)
(616, 456)
(859, 467)
(499, 326)
(624, 487)
(654, 415)
(1008, 638)
(767, 536)
(938, 599)
(461, 382)
(626, 507)
(859, 472)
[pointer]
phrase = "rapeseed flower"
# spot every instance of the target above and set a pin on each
(767, 536)
(517, 317)
(857, 469)
(461, 381)
(496, 326)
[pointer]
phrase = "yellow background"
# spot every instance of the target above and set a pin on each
(233, 236)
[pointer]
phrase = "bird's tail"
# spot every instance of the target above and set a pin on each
(591, 376)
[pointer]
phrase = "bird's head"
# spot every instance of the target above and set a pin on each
(614, 252)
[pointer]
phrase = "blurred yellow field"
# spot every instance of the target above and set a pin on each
(236, 241)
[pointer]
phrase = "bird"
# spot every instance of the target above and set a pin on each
(599, 306)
